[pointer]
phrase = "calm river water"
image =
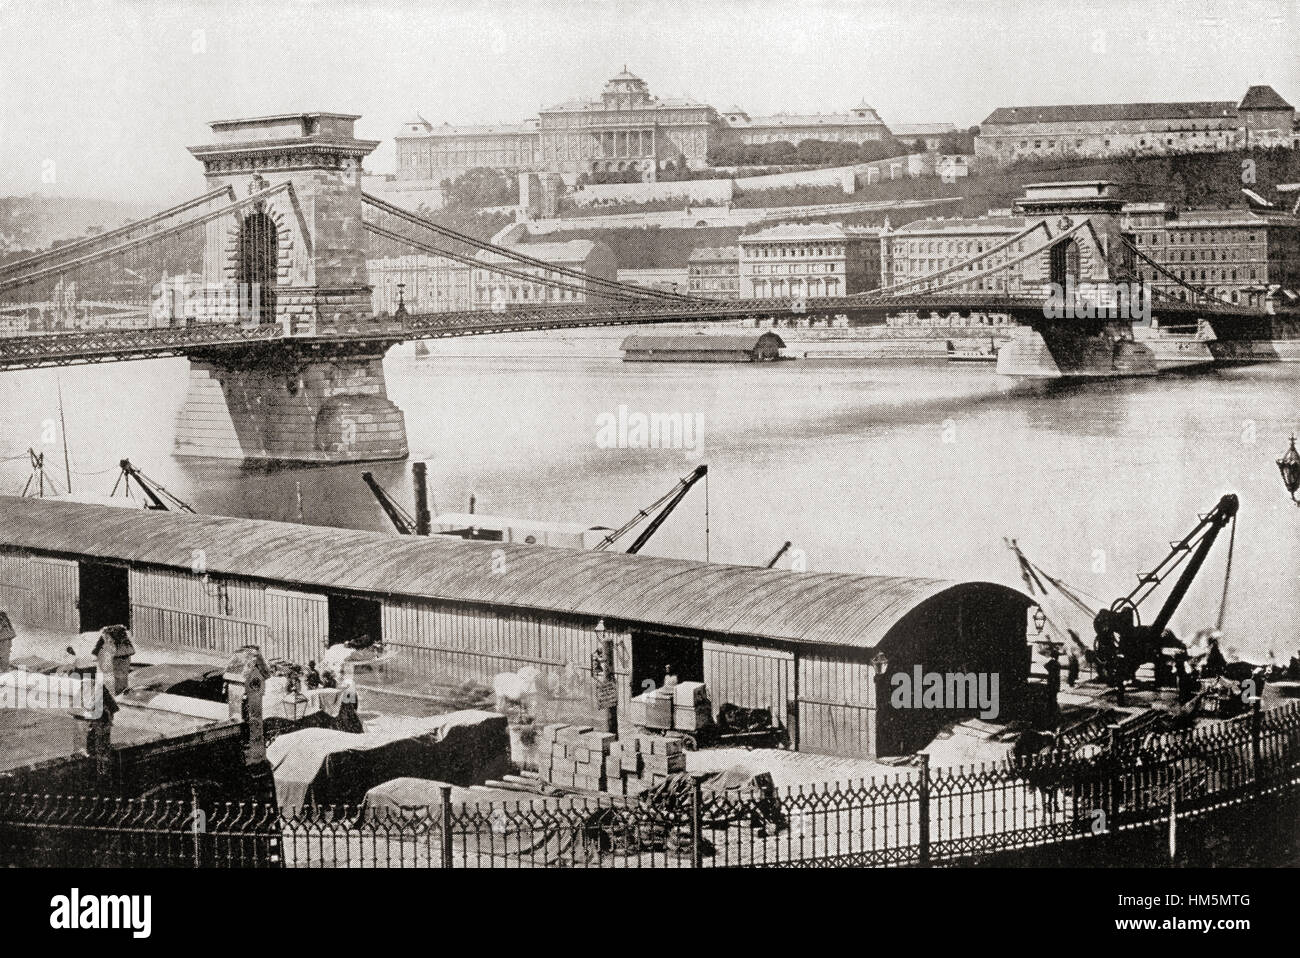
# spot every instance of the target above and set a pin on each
(916, 469)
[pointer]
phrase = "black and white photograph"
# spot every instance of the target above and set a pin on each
(650, 435)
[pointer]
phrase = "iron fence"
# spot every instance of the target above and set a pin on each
(917, 817)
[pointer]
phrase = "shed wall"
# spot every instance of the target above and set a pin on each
(55, 594)
(750, 677)
(836, 705)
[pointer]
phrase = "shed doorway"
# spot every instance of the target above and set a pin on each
(354, 619)
(105, 595)
(652, 654)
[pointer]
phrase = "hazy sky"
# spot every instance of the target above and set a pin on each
(112, 91)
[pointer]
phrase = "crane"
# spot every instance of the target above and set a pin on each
(771, 563)
(406, 524)
(1123, 643)
(157, 495)
(421, 523)
(668, 500)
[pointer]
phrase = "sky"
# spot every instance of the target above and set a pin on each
(99, 98)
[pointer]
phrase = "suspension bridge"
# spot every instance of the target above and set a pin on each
(261, 282)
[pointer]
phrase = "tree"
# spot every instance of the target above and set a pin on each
(480, 187)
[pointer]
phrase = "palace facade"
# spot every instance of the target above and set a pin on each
(1261, 118)
(626, 129)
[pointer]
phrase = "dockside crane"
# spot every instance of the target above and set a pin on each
(402, 520)
(421, 523)
(1123, 642)
(771, 563)
(155, 492)
(668, 501)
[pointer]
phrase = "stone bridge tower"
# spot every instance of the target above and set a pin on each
(296, 260)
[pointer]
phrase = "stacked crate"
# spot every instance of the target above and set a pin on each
(636, 763)
(691, 708)
(574, 756)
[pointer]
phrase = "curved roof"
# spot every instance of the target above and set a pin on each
(747, 342)
(820, 608)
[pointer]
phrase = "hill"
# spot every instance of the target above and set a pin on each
(34, 222)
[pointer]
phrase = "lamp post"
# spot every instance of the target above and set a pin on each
(1289, 467)
(606, 691)
(879, 668)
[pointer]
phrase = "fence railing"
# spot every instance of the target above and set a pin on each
(917, 817)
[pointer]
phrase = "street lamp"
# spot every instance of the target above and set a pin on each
(598, 655)
(294, 703)
(880, 664)
(1040, 619)
(1289, 467)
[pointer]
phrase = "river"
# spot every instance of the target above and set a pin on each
(904, 468)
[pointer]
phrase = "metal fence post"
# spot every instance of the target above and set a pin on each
(923, 817)
(1256, 751)
(444, 836)
(696, 800)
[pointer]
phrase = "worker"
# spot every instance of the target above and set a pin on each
(1185, 682)
(1215, 663)
(348, 719)
(670, 680)
(1053, 667)
(327, 680)
(1072, 669)
(1106, 655)
(312, 677)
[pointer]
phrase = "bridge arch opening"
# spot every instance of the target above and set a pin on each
(258, 265)
(1065, 262)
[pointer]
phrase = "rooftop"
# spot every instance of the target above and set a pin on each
(980, 224)
(922, 129)
(809, 231)
(1095, 112)
(781, 120)
(1262, 97)
(567, 251)
(492, 129)
(39, 735)
(713, 342)
(714, 253)
(822, 608)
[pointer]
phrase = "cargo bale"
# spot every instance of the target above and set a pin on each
(572, 734)
(599, 742)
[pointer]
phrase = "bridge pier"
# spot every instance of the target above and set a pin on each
(291, 401)
(1058, 352)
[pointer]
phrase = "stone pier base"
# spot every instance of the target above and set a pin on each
(291, 403)
(1057, 352)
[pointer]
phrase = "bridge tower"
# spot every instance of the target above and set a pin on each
(1083, 217)
(298, 258)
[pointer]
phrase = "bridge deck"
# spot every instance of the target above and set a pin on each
(59, 348)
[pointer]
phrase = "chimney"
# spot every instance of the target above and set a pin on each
(246, 677)
(113, 654)
(423, 521)
(95, 730)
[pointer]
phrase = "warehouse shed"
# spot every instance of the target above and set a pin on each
(806, 645)
(703, 348)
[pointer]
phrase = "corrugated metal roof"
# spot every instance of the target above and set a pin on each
(710, 341)
(801, 607)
